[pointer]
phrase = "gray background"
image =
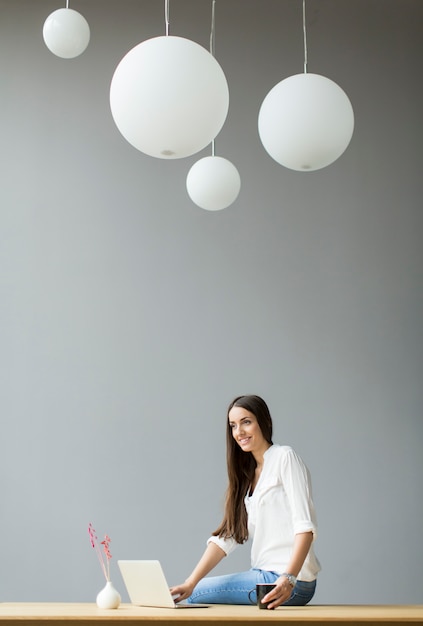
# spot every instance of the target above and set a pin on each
(130, 317)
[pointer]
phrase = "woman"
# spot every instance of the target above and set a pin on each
(268, 500)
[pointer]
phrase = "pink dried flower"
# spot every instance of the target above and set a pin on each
(105, 566)
(105, 543)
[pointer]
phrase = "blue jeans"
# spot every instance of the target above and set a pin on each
(234, 589)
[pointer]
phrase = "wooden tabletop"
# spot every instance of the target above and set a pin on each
(54, 614)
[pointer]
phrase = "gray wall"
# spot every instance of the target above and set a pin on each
(130, 317)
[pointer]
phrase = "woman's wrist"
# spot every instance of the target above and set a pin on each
(290, 578)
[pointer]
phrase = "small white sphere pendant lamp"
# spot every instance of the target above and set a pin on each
(169, 96)
(306, 121)
(213, 183)
(66, 33)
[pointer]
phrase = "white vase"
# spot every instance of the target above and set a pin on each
(109, 597)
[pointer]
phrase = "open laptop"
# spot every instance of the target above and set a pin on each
(146, 585)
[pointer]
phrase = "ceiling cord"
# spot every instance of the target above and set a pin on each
(212, 47)
(167, 16)
(212, 32)
(305, 38)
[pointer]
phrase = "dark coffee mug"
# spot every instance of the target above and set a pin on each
(261, 590)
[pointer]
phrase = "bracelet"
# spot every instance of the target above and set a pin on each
(291, 579)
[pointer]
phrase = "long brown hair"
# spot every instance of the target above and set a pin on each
(241, 466)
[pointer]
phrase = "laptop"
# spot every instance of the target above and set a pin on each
(146, 585)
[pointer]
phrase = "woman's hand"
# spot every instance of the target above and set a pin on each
(182, 592)
(280, 594)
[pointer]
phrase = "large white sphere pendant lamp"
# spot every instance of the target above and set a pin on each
(306, 121)
(169, 97)
(66, 33)
(213, 183)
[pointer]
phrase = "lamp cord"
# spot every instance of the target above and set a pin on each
(305, 37)
(212, 32)
(167, 17)
(212, 46)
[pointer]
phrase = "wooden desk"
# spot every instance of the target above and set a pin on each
(52, 614)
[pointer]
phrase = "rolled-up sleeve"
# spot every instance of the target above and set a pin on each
(297, 485)
(228, 545)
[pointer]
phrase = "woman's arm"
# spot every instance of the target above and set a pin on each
(213, 554)
(301, 547)
(283, 589)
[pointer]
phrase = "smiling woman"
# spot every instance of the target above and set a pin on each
(269, 500)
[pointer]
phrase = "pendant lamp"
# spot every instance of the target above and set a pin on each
(169, 96)
(306, 121)
(213, 183)
(66, 33)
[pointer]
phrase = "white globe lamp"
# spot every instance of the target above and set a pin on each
(213, 183)
(66, 33)
(169, 97)
(306, 122)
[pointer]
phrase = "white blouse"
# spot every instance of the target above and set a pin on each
(280, 508)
